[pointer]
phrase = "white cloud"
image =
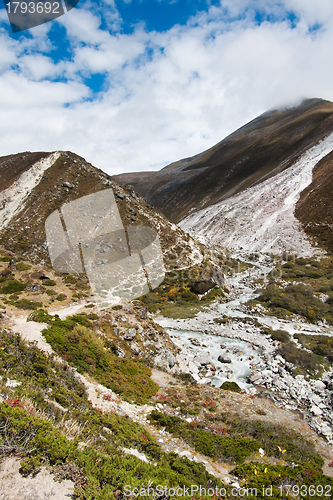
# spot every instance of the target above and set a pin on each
(169, 95)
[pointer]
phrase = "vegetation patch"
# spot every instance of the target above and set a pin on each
(231, 386)
(97, 475)
(233, 449)
(306, 363)
(272, 438)
(13, 286)
(75, 341)
(174, 298)
(297, 299)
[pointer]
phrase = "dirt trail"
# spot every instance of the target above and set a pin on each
(243, 404)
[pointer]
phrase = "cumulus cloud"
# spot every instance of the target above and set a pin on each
(166, 95)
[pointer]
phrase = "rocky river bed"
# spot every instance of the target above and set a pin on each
(239, 351)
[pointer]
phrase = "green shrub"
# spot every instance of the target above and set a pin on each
(27, 304)
(304, 362)
(281, 336)
(88, 352)
(231, 386)
(49, 283)
(227, 448)
(13, 286)
(97, 475)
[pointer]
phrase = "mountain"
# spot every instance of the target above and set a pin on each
(262, 218)
(33, 185)
(258, 151)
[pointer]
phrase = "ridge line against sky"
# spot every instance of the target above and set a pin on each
(136, 85)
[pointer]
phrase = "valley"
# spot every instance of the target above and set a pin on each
(221, 375)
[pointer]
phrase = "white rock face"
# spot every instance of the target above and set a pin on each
(13, 198)
(261, 218)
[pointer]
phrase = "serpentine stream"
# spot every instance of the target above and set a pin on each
(226, 342)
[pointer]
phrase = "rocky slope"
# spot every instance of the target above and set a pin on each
(258, 151)
(33, 185)
(263, 218)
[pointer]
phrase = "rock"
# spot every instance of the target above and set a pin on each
(203, 360)
(68, 185)
(119, 352)
(200, 287)
(12, 265)
(261, 452)
(135, 348)
(142, 311)
(318, 385)
(171, 359)
(130, 334)
(316, 400)
(34, 288)
(12, 383)
(120, 195)
(223, 359)
(326, 430)
(255, 377)
(6, 273)
(315, 410)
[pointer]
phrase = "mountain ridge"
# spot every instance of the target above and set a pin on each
(257, 151)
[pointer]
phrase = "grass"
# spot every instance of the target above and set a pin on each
(174, 298)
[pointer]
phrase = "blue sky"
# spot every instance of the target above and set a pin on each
(136, 84)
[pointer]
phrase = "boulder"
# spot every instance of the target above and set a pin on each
(135, 348)
(223, 359)
(130, 334)
(203, 361)
(6, 273)
(120, 195)
(68, 185)
(34, 288)
(200, 287)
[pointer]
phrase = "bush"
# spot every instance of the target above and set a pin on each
(13, 286)
(304, 362)
(49, 283)
(227, 448)
(88, 352)
(27, 304)
(231, 386)
(281, 336)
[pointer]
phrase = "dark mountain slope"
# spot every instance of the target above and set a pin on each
(315, 206)
(259, 150)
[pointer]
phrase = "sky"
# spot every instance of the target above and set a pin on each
(134, 85)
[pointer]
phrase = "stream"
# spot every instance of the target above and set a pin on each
(202, 340)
